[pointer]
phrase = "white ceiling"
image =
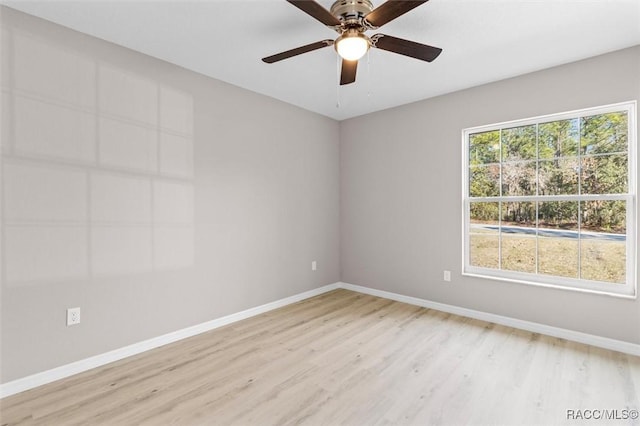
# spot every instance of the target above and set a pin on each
(483, 41)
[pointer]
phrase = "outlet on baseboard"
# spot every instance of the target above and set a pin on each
(314, 265)
(447, 275)
(73, 316)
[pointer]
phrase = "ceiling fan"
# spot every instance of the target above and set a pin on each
(351, 19)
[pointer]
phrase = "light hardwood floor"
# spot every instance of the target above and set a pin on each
(345, 358)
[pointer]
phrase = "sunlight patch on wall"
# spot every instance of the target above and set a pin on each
(97, 168)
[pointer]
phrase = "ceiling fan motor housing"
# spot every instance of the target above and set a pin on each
(352, 12)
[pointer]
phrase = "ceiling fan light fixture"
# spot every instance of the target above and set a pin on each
(352, 45)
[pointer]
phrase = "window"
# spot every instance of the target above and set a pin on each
(551, 200)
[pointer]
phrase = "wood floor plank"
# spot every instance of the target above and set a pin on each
(343, 358)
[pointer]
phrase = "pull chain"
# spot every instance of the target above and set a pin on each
(338, 70)
(369, 77)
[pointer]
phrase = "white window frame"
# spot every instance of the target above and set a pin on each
(626, 290)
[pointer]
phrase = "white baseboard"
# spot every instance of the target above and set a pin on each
(48, 376)
(576, 336)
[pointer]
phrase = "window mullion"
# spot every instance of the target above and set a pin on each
(500, 207)
(580, 201)
(571, 197)
(537, 195)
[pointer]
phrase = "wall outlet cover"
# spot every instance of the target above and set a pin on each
(73, 316)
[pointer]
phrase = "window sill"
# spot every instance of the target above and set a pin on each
(620, 295)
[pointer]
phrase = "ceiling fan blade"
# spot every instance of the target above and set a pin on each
(297, 51)
(348, 74)
(406, 47)
(390, 10)
(316, 11)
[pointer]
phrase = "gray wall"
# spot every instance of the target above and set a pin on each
(401, 196)
(155, 198)
(152, 197)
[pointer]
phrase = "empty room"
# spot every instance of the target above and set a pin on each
(352, 212)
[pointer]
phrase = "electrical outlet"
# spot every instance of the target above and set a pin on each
(447, 275)
(314, 265)
(73, 316)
